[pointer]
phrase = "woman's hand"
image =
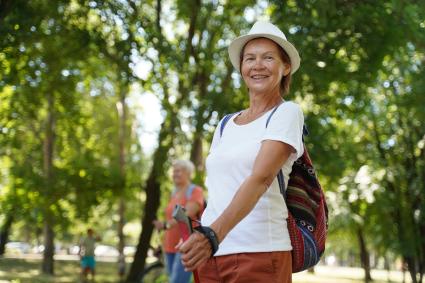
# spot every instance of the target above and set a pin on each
(195, 251)
(158, 224)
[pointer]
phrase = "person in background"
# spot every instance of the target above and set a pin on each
(86, 252)
(244, 224)
(189, 196)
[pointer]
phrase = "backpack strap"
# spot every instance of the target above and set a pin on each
(280, 176)
(271, 114)
(305, 130)
(189, 191)
(281, 181)
(225, 120)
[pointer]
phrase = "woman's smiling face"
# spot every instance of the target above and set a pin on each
(262, 66)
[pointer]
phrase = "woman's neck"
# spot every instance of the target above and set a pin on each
(260, 102)
(182, 186)
(257, 107)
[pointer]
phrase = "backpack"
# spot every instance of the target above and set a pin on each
(307, 220)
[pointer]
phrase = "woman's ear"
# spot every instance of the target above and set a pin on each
(286, 69)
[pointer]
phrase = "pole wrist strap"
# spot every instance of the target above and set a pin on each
(211, 236)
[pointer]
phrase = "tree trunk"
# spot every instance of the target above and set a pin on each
(391, 187)
(421, 263)
(153, 195)
(5, 7)
(120, 228)
(151, 206)
(47, 265)
(364, 255)
(122, 112)
(4, 233)
(196, 153)
(48, 262)
(411, 266)
(387, 267)
(166, 141)
(403, 269)
(196, 157)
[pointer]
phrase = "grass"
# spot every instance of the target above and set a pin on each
(24, 270)
(327, 274)
(18, 270)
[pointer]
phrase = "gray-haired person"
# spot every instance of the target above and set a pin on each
(189, 196)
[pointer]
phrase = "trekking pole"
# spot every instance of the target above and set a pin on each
(185, 226)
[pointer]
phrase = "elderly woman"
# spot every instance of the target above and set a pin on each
(189, 196)
(246, 214)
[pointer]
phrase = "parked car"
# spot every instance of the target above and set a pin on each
(40, 249)
(104, 250)
(129, 250)
(74, 250)
(18, 247)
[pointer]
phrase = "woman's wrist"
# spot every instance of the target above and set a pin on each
(166, 226)
(211, 236)
(219, 231)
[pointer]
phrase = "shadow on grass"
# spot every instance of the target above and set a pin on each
(28, 271)
(68, 271)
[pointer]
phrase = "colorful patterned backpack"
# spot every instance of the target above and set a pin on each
(307, 220)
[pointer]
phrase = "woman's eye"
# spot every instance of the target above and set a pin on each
(269, 58)
(249, 59)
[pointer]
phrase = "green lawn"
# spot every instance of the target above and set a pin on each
(67, 271)
(28, 271)
(326, 274)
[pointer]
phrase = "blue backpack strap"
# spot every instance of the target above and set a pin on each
(224, 122)
(281, 182)
(305, 129)
(189, 191)
(280, 176)
(271, 114)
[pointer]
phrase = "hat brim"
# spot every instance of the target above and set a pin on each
(236, 46)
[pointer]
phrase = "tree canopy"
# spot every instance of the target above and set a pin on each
(69, 133)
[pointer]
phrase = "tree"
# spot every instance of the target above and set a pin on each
(346, 49)
(182, 76)
(48, 54)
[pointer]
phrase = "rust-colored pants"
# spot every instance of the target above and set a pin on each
(267, 267)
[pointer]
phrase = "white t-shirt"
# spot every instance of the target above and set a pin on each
(230, 162)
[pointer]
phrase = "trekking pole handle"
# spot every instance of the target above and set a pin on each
(184, 222)
(185, 226)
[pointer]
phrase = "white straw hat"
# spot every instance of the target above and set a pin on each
(267, 30)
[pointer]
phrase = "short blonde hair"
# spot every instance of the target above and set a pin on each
(185, 164)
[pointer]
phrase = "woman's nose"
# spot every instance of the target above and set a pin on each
(258, 64)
